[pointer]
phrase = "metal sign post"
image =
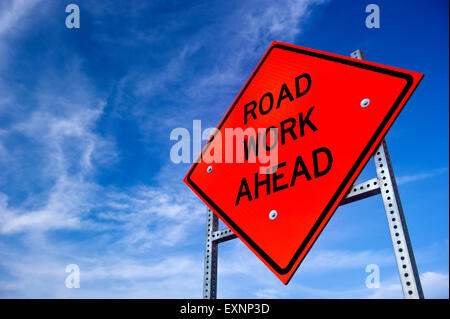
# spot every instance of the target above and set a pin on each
(383, 184)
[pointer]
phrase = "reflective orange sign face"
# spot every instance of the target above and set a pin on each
(292, 144)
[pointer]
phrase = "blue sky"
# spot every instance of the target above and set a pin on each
(85, 120)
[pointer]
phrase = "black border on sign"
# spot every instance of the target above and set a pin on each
(344, 184)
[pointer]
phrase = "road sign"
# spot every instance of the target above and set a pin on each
(301, 131)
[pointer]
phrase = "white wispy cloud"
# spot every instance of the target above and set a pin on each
(318, 260)
(63, 209)
(148, 217)
(203, 87)
(238, 263)
(251, 29)
(60, 155)
(435, 285)
(14, 18)
(422, 175)
(11, 13)
(111, 276)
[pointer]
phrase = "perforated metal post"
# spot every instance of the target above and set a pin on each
(210, 270)
(406, 263)
(383, 184)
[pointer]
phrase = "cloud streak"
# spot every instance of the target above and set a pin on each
(421, 176)
(12, 12)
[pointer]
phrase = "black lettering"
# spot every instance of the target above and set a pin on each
(327, 152)
(297, 84)
(276, 177)
(263, 112)
(290, 129)
(249, 145)
(261, 183)
(304, 171)
(251, 111)
(241, 193)
(274, 130)
(282, 96)
(306, 121)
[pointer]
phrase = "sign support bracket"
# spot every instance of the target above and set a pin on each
(384, 184)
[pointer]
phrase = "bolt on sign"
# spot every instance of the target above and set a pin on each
(292, 144)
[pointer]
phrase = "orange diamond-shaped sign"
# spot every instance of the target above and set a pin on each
(301, 130)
